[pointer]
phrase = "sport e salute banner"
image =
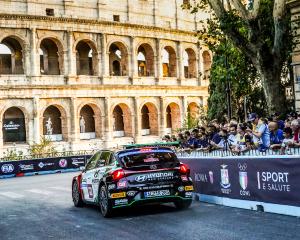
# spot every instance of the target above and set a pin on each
(271, 180)
(41, 166)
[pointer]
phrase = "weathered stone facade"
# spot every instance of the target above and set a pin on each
(295, 11)
(86, 81)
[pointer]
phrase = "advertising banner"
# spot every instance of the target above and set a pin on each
(43, 165)
(271, 180)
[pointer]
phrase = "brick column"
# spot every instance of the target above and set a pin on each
(179, 58)
(158, 61)
(162, 117)
(74, 120)
(137, 119)
(71, 55)
(36, 120)
(104, 56)
(199, 65)
(134, 61)
(35, 64)
(183, 109)
(107, 122)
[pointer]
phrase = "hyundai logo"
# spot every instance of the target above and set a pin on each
(141, 178)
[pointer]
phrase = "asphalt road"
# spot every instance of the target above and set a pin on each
(40, 207)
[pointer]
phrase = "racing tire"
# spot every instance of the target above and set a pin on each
(104, 202)
(183, 204)
(76, 195)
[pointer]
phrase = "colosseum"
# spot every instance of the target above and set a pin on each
(98, 73)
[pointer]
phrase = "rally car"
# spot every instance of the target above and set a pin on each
(125, 178)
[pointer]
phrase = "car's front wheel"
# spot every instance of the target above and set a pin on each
(105, 205)
(76, 196)
(182, 204)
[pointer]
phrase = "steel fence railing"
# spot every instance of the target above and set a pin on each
(228, 153)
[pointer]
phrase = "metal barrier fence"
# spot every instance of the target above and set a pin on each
(228, 153)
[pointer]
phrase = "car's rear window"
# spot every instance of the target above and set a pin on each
(136, 159)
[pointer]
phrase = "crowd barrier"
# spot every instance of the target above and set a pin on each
(40, 166)
(266, 183)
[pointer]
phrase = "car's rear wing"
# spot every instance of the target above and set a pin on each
(158, 144)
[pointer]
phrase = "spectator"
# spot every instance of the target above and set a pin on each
(263, 134)
(243, 144)
(288, 139)
(276, 135)
(167, 138)
(295, 125)
(232, 138)
(213, 136)
(253, 120)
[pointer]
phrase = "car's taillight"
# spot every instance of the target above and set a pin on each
(184, 169)
(118, 174)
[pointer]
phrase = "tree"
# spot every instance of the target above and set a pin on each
(244, 80)
(260, 32)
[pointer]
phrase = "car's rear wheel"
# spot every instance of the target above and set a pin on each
(76, 195)
(104, 202)
(182, 204)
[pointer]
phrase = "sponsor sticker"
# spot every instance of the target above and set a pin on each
(189, 188)
(159, 193)
(90, 190)
(7, 168)
(118, 195)
(188, 194)
(111, 186)
(121, 201)
(154, 176)
(131, 193)
(122, 184)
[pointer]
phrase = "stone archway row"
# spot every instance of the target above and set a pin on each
(50, 59)
(90, 121)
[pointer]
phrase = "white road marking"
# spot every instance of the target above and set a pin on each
(65, 189)
(11, 195)
(38, 191)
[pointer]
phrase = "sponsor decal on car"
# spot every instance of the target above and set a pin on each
(7, 168)
(157, 187)
(121, 201)
(154, 176)
(189, 188)
(63, 163)
(181, 188)
(90, 190)
(131, 193)
(184, 178)
(122, 184)
(118, 195)
(188, 194)
(111, 186)
(147, 160)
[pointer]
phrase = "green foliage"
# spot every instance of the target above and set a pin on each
(13, 154)
(244, 82)
(44, 147)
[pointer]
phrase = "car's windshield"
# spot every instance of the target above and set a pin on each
(162, 159)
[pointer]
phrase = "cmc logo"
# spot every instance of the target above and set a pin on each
(7, 168)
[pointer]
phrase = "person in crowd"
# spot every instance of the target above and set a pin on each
(276, 118)
(253, 120)
(213, 135)
(288, 140)
(262, 133)
(243, 139)
(276, 135)
(232, 137)
(203, 139)
(167, 138)
(181, 140)
(295, 126)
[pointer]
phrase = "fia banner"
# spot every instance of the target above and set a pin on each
(271, 180)
(42, 165)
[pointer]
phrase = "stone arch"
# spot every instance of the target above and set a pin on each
(173, 118)
(118, 53)
(14, 125)
(145, 56)
(51, 56)
(122, 121)
(207, 61)
(93, 120)
(169, 62)
(190, 63)
(193, 110)
(149, 119)
(58, 123)
(86, 58)
(11, 56)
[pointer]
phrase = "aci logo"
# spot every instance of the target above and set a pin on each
(243, 179)
(7, 168)
(224, 177)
